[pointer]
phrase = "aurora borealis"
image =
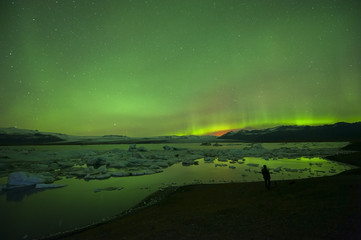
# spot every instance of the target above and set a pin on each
(147, 68)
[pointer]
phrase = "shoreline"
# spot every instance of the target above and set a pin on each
(188, 209)
(159, 197)
(178, 205)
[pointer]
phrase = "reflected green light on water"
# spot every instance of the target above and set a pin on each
(77, 205)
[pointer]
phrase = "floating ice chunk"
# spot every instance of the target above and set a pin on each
(97, 176)
(135, 162)
(138, 155)
(132, 148)
(118, 164)
(53, 166)
(96, 161)
(278, 169)
(194, 156)
(162, 164)
(222, 158)
(43, 185)
(39, 166)
(209, 159)
(142, 149)
(149, 172)
(65, 164)
(120, 174)
(291, 170)
(253, 164)
(153, 166)
(79, 172)
(137, 173)
(220, 165)
(190, 159)
(107, 189)
(256, 149)
(168, 148)
(102, 169)
(27, 179)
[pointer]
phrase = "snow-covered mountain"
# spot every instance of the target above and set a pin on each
(334, 132)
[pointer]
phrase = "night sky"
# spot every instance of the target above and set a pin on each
(147, 68)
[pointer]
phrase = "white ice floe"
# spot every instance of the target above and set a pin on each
(20, 179)
(100, 164)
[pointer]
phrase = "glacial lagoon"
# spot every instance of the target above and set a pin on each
(31, 213)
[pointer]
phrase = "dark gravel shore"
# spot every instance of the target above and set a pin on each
(316, 208)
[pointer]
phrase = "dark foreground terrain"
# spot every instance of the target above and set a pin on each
(317, 208)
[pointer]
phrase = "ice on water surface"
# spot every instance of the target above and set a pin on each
(101, 181)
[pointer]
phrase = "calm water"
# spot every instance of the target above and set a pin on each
(37, 214)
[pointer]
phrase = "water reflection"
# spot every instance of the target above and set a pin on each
(54, 210)
(18, 194)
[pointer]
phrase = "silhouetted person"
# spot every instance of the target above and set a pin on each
(266, 177)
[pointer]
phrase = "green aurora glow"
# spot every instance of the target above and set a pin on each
(146, 68)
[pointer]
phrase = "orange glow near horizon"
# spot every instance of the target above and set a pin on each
(221, 132)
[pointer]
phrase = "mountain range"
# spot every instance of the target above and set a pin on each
(15, 136)
(341, 131)
(326, 133)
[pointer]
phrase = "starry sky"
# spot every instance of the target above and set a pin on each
(164, 67)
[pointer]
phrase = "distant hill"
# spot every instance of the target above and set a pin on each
(16, 136)
(326, 133)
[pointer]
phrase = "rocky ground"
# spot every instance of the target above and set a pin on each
(315, 208)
